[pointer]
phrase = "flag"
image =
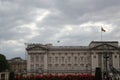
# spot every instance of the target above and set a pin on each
(102, 29)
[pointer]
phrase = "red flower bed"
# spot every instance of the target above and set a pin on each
(56, 77)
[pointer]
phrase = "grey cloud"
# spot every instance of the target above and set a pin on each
(16, 13)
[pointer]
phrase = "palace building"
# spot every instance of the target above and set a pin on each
(17, 65)
(73, 59)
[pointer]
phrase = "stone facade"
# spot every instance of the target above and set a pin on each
(18, 65)
(73, 59)
(4, 75)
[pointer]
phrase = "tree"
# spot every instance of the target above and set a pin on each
(3, 63)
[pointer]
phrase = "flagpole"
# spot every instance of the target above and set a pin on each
(102, 30)
(101, 34)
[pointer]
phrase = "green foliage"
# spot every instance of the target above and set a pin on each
(3, 63)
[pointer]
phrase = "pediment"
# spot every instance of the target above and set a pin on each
(104, 47)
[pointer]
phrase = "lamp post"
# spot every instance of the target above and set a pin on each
(106, 57)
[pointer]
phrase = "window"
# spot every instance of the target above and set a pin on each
(75, 58)
(56, 65)
(66, 54)
(115, 56)
(56, 58)
(88, 58)
(37, 66)
(32, 58)
(50, 65)
(53, 53)
(42, 58)
(62, 59)
(49, 59)
(59, 54)
(62, 65)
(42, 65)
(69, 59)
(72, 54)
(37, 58)
(82, 65)
(94, 56)
(75, 64)
(32, 66)
(53, 60)
(69, 65)
(81, 58)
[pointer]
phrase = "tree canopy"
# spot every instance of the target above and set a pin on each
(3, 63)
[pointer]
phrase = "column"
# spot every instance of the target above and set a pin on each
(45, 62)
(115, 60)
(28, 62)
(94, 61)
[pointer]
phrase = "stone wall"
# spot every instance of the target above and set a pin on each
(4, 75)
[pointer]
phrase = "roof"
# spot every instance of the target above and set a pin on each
(51, 47)
(69, 47)
(95, 43)
(104, 42)
(17, 60)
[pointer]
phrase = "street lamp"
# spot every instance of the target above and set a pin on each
(106, 57)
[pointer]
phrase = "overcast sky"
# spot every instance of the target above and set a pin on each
(72, 22)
